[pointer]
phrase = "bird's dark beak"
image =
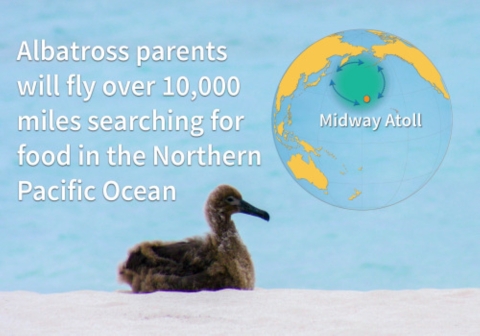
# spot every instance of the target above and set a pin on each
(249, 209)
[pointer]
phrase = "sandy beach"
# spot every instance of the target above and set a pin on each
(232, 312)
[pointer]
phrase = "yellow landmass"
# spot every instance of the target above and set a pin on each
(280, 128)
(389, 38)
(355, 195)
(315, 82)
(307, 171)
(344, 60)
(289, 114)
(312, 60)
(330, 154)
(376, 32)
(307, 147)
(400, 48)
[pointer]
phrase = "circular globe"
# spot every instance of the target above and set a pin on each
(362, 119)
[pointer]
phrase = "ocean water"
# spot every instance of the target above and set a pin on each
(429, 240)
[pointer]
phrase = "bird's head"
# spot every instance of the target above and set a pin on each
(225, 201)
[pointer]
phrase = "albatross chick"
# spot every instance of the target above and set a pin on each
(218, 260)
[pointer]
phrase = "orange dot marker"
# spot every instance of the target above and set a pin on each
(366, 99)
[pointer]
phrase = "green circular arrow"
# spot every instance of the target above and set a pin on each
(359, 82)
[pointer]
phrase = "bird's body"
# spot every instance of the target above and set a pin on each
(218, 260)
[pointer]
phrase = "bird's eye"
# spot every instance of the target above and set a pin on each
(230, 199)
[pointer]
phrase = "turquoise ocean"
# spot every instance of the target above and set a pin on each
(430, 240)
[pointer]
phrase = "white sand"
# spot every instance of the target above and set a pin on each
(227, 312)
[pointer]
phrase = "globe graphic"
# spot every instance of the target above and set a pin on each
(362, 119)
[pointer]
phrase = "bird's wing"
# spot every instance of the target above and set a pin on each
(180, 258)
